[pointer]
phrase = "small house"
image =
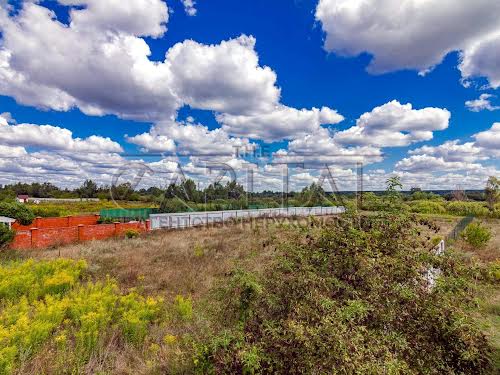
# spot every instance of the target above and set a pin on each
(22, 198)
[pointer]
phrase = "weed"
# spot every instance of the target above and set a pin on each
(476, 235)
(132, 233)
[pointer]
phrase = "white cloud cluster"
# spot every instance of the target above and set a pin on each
(481, 104)
(53, 138)
(189, 7)
(452, 151)
(189, 138)
(490, 139)
(152, 143)
(415, 34)
(280, 123)
(394, 125)
(422, 163)
(455, 156)
(111, 72)
(225, 77)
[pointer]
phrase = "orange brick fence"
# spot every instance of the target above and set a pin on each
(58, 222)
(52, 236)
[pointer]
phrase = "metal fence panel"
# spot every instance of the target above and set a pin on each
(192, 219)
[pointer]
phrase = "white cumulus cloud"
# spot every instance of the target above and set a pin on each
(394, 125)
(483, 103)
(415, 34)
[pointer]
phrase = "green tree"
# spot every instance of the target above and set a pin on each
(88, 189)
(393, 198)
(492, 192)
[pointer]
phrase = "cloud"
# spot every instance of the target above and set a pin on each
(189, 138)
(453, 151)
(38, 61)
(481, 59)
(320, 148)
(281, 123)
(152, 143)
(483, 103)
(224, 77)
(414, 34)
(54, 138)
(189, 7)
(12, 152)
(39, 58)
(490, 139)
(395, 125)
(422, 163)
(134, 17)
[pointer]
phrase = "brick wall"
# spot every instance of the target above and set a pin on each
(22, 240)
(39, 238)
(46, 237)
(58, 222)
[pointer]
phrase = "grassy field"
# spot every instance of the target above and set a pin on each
(183, 268)
(47, 209)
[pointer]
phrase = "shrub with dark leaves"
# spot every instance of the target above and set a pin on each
(351, 297)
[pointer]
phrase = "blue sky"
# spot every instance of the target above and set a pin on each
(319, 54)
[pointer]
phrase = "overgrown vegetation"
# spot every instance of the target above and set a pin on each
(6, 235)
(45, 304)
(351, 297)
(17, 211)
(476, 235)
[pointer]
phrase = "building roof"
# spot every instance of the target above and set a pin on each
(4, 219)
(23, 196)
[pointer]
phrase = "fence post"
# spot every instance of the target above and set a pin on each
(80, 234)
(148, 225)
(117, 228)
(34, 237)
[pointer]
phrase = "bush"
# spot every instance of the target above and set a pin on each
(46, 211)
(427, 207)
(6, 235)
(476, 235)
(467, 209)
(17, 211)
(132, 233)
(350, 296)
(106, 220)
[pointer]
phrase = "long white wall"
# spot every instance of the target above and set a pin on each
(192, 219)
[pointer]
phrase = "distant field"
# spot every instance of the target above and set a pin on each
(47, 209)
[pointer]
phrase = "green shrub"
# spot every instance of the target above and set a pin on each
(427, 207)
(467, 208)
(476, 235)
(17, 211)
(106, 220)
(350, 297)
(46, 211)
(132, 233)
(6, 235)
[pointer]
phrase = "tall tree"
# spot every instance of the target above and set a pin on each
(88, 189)
(492, 192)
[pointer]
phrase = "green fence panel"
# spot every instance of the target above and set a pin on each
(131, 213)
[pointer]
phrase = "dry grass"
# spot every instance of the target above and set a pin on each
(169, 263)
